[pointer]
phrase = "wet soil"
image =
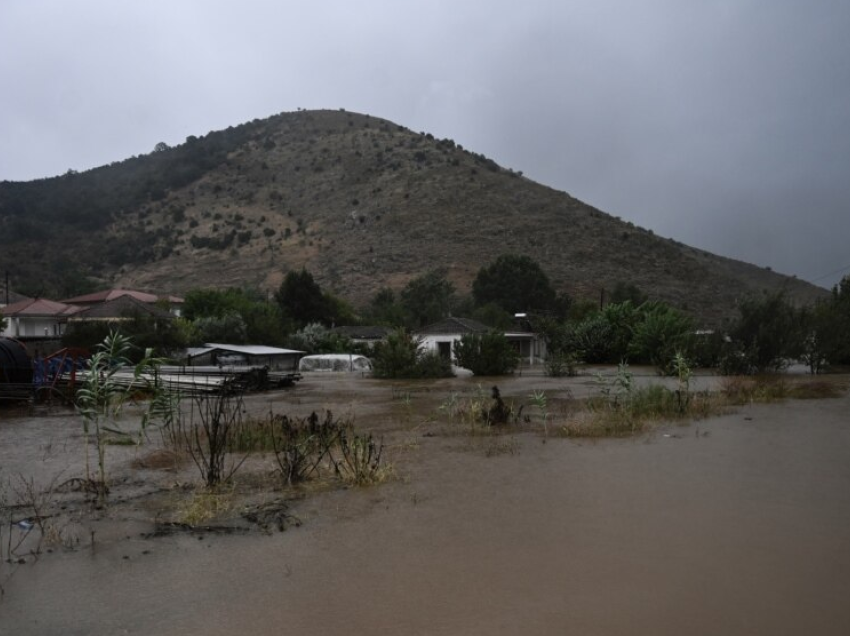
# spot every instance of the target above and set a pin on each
(739, 524)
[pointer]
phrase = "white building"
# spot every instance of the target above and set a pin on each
(36, 318)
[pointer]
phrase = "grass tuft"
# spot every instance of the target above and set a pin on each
(205, 505)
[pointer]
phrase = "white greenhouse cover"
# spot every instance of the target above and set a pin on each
(335, 362)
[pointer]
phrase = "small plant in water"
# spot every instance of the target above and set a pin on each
(450, 406)
(361, 460)
(683, 373)
(102, 395)
(538, 398)
(617, 390)
(99, 402)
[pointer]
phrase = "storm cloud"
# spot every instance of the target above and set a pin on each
(722, 124)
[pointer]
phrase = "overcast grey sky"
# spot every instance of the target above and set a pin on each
(724, 124)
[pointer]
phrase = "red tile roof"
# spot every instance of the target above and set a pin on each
(112, 294)
(122, 307)
(40, 307)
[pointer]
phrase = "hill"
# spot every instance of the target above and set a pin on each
(361, 202)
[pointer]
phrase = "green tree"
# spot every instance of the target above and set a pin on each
(213, 310)
(339, 311)
(662, 332)
(623, 292)
(825, 330)
(818, 329)
(594, 338)
(316, 338)
(840, 334)
(228, 328)
(263, 323)
(624, 319)
(492, 315)
(301, 299)
(486, 354)
(516, 284)
(428, 298)
(385, 309)
(163, 336)
(764, 337)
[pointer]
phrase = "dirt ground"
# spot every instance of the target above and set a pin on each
(738, 524)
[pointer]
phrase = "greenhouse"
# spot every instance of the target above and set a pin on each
(335, 362)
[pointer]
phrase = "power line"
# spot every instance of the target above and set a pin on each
(846, 268)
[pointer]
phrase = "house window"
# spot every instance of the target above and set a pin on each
(445, 350)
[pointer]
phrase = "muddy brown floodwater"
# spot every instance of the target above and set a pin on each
(735, 525)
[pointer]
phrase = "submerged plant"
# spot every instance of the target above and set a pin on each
(361, 460)
(538, 398)
(683, 373)
(210, 437)
(103, 393)
(99, 402)
(300, 445)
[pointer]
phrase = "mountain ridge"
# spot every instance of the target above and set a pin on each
(361, 202)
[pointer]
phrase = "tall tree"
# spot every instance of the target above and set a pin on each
(386, 309)
(301, 299)
(428, 298)
(212, 311)
(765, 335)
(516, 284)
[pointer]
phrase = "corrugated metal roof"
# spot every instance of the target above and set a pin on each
(251, 350)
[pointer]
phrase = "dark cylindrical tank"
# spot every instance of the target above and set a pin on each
(15, 365)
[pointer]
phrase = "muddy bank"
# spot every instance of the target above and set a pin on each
(736, 525)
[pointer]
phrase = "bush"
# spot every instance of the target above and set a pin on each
(431, 364)
(486, 354)
(764, 337)
(401, 356)
(593, 340)
(561, 364)
(662, 333)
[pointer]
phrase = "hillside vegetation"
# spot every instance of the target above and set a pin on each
(361, 202)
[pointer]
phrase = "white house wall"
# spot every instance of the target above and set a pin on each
(532, 349)
(431, 343)
(32, 327)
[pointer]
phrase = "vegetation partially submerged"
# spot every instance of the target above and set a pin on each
(620, 407)
(250, 467)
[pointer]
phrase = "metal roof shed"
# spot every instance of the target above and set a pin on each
(248, 355)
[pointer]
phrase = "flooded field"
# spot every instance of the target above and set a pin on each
(739, 524)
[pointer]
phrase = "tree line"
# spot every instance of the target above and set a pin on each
(768, 332)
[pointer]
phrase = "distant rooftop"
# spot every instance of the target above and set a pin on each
(14, 297)
(39, 307)
(111, 294)
(454, 325)
(121, 307)
(365, 332)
